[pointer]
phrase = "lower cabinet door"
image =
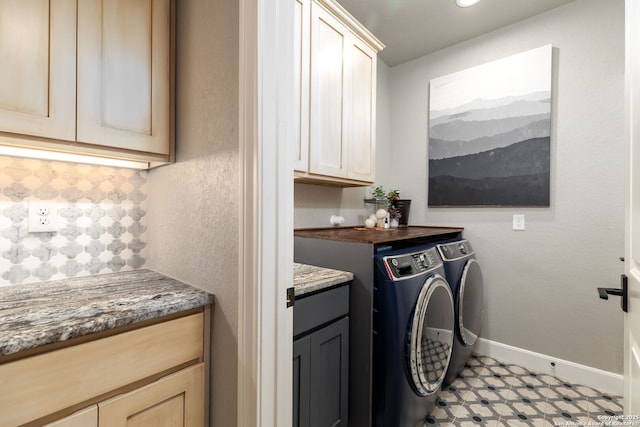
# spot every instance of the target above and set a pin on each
(175, 400)
(329, 386)
(301, 378)
(87, 417)
(321, 377)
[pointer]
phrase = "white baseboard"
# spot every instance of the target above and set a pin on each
(571, 372)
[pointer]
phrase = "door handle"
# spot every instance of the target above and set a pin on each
(605, 292)
(621, 292)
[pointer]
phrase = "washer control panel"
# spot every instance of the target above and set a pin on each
(409, 265)
(455, 250)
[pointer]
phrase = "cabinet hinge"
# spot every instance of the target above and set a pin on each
(291, 297)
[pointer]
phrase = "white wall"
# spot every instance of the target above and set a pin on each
(540, 283)
(193, 204)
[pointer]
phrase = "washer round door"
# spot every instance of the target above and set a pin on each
(430, 336)
(470, 303)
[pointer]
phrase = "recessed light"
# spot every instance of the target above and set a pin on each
(466, 3)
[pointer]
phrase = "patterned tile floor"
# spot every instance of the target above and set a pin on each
(491, 393)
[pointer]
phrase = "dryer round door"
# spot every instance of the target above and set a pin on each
(470, 303)
(430, 336)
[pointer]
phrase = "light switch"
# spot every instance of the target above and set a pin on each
(518, 222)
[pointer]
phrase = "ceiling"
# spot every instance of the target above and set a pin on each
(413, 28)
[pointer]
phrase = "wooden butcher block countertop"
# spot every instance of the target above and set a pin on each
(375, 236)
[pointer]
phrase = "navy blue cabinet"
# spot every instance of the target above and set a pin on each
(321, 359)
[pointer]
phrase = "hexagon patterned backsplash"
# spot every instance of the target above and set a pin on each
(101, 220)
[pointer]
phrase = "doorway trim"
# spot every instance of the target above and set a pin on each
(265, 324)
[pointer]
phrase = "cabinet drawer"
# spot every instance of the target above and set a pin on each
(41, 385)
(312, 311)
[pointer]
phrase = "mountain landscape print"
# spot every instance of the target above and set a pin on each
(490, 133)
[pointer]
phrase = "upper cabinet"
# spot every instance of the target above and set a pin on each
(336, 93)
(38, 72)
(88, 77)
(124, 74)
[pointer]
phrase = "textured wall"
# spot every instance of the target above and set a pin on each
(193, 204)
(541, 282)
(101, 222)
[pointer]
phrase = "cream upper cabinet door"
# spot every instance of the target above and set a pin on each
(174, 401)
(342, 114)
(84, 418)
(301, 48)
(360, 117)
(327, 154)
(124, 74)
(38, 72)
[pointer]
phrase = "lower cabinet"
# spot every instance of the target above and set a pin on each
(301, 381)
(153, 375)
(173, 401)
(321, 362)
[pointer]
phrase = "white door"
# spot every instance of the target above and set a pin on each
(632, 234)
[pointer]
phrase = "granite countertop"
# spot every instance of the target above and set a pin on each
(36, 314)
(309, 278)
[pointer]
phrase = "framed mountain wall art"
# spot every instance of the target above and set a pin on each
(490, 133)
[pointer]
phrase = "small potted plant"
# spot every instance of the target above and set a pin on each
(390, 201)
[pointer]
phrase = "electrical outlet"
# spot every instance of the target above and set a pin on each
(518, 222)
(42, 217)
